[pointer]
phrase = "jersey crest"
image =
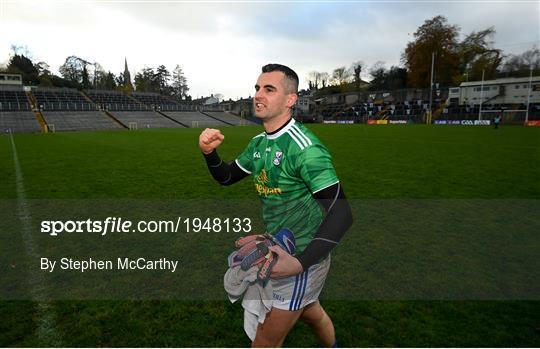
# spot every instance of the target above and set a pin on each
(277, 158)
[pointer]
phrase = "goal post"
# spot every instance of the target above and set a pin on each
(510, 116)
(132, 125)
(49, 128)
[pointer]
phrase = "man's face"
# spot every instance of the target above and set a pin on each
(271, 97)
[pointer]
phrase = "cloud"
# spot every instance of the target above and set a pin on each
(221, 46)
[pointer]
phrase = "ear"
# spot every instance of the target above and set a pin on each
(291, 99)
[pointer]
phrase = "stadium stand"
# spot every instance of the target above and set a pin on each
(195, 119)
(78, 121)
(144, 119)
(18, 121)
(61, 99)
(159, 102)
(413, 110)
(13, 98)
(229, 118)
(114, 100)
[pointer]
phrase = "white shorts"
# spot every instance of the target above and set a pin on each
(295, 292)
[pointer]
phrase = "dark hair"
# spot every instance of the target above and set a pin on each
(290, 75)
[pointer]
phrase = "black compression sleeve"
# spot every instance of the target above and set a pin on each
(338, 219)
(223, 173)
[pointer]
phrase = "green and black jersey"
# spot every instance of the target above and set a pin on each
(288, 167)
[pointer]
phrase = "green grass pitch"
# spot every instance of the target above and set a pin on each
(391, 163)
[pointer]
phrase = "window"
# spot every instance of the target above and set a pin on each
(485, 88)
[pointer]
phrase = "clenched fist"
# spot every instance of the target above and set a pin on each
(210, 139)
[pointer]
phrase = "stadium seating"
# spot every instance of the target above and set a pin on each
(18, 121)
(229, 118)
(13, 98)
(114, 100)
(61, 99)
(159, 102)
(78, 120)
(144, 119)
(195, 119)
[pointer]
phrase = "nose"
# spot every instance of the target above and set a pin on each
(258, 94)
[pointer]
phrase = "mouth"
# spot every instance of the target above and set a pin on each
(259, 105)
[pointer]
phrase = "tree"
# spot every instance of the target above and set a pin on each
(161, 80)
(314, 77)
(378, 73)
(103, 80)
(325, 78)
(477, 54)
(43, 68)
(20, 64)
(218, 96)
(74, 70)
(387, 79)
(85, 79)
(519, 65)
(145, 80)
(119, 79)
(179, 86)
(341, 76)
(356, 68)
(438, 37)
(396, 78)
(107, 82)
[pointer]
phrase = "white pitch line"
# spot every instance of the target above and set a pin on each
(46, 329)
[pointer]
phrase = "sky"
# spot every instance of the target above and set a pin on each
(222, 45)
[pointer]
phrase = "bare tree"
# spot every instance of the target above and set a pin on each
(341, 76)
(325, 79)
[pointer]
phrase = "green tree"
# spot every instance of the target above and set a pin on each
(162, 79)
(438, 37)
(20, 64)
(179, 86)
(145, 80)
(85, 79)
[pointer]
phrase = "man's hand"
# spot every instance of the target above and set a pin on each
(286, 265)
(210, 139)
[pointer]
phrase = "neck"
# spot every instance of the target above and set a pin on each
(274, 124)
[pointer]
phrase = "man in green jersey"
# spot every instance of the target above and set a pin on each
(294, 176)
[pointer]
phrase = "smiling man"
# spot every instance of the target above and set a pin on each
(293, 176)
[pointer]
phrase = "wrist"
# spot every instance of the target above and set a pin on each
(304, 265)
(298, 266)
